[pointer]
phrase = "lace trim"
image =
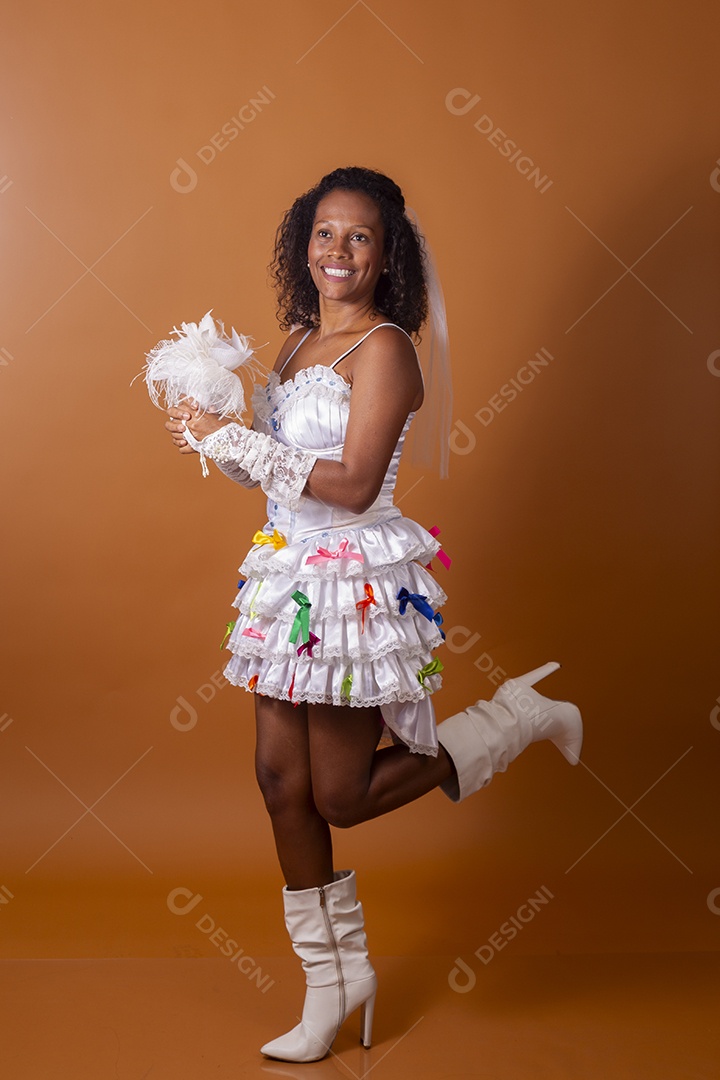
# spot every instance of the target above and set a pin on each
(277, 397)
(281, 471)
(331, 610)
(236, 474)
(413, 747)
(275, 691)
(319, 699)
(251, 648)
(261, 405)
(260, 561)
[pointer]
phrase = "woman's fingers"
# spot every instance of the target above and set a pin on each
(176, 426)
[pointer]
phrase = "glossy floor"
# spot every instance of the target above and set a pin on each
(540, 1018)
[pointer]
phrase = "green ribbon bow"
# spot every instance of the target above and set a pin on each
(228, 631)
(346, 686)
(302, 619)
(433, 668)
(252, 611)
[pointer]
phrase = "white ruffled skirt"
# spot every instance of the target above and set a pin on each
(319, 620)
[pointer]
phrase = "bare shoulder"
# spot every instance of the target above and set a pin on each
(387, 349)
(387, 358)
(291, 341)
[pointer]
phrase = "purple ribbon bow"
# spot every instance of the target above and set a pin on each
(312, 640)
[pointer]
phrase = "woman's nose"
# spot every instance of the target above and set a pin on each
(339, 246)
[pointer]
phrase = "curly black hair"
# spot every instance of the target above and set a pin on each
(401, 294)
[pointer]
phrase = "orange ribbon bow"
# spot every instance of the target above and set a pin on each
(363, 605)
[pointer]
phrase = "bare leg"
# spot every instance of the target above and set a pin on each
(282, 765)
(351, 780)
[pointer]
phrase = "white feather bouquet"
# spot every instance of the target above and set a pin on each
(201, 364)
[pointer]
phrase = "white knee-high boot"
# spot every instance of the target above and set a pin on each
(327, 932)
(486, 737)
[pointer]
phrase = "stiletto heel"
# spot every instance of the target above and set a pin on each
(327, 932)
(486, 737)
(366, 1021)
(538, 673)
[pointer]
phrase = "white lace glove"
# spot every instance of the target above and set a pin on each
(228, 468)
(238, 475)
(279, 470)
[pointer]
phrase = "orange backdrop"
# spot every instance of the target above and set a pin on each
(564, 163)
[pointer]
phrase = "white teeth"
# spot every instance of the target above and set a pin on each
(333, 272)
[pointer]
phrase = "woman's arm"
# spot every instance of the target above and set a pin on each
(387, 385)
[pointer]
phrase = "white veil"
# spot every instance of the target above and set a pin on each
(429, 434)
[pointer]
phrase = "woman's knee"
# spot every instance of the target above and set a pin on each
(283, 790)
(340, 806)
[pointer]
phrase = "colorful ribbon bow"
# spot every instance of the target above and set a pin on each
(252, 683)
(363, 605)
(249, 632)
(253, 612)
(241, 582)
(308, 645)
(301, 625)
(420, 603)
(277, 539)
(433, 668)
(346, 686)
(437, 619)
(342, 552)
(444, 559)
(228, 631)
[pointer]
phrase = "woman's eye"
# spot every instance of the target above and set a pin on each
(323, 232)
(359, 236)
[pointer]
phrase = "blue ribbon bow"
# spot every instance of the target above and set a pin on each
(420, 603)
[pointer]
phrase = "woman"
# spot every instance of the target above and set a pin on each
(338, 616)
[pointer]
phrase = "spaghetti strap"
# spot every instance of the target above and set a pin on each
(370, 331)
(347, 352)
(289, 358)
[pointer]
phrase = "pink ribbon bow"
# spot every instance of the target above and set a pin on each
(444, 559)
(250, 632)
(341, 552)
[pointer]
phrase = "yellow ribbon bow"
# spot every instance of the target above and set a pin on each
(277, 539)
(228, 631)
(433, 668)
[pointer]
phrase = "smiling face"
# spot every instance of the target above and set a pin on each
(345, 251)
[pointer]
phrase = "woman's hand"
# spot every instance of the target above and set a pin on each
(200, 424)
